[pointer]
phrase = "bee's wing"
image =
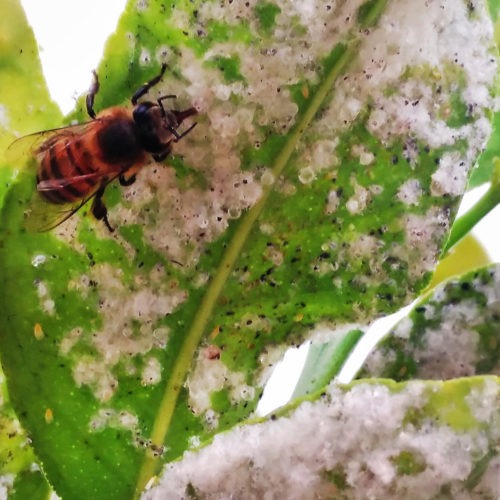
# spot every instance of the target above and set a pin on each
(62, 182)
(38, 142)
(42, 215)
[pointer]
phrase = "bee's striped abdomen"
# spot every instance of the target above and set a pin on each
(69, 161)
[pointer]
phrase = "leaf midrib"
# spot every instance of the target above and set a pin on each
(193, 337)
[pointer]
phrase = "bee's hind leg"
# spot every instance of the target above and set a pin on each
(124, 181)
(94, 88)
(99, 210)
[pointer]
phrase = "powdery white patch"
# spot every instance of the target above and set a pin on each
(6, 484)
(365, 246)
(451, 176)
(144, 57)
(489, 485)
(151, 373)
(323, 154)
(266, 228)
(210, 375)
(484, 403)
(123, 420)
(378, 360)
(120, 338)
(46, 303)
(332, 202)
(288, 457)
(359, 200)
(117, 419)
(361, 152)
(94, 373)
(142, 5)
(273, 255)
(184, 221)
(449, 352)
(69, 341)
(404, 328)
(409, 86)
(410, 192)
(491, 289)
(422, 234)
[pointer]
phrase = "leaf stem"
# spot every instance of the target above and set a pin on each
(488, 202)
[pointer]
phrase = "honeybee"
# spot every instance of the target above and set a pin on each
(76, 163)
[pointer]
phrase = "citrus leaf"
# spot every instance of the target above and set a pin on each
(375, 439)
(19, 470)
(453, 332)
(484, 168)
(324, 361)
(466, 255)
(25, 104)
(331, 149)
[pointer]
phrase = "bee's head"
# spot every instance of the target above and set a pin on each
(157, 126)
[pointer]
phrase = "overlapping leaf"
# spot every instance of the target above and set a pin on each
(451, 333)
(332, 146)
(376, 439)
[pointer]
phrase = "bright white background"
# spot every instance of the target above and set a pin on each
(71, 36)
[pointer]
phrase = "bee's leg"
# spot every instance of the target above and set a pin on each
(99, 210)
(162, 156)
(145, 88)
(126, 182)
(94, 88)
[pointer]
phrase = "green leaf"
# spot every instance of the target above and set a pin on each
(324, 361)
(25, 105)
(484, 168)
(19, 468)
(31, 484)
(316, 189)
(376, 439)
(453, 332)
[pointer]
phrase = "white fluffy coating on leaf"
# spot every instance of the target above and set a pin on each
(117, 419)
(450, 177)
(423, 236)
(410, 192)
(211, 375)
(47, 304)
(170, 214)
(151, 373)
(6, 484)
(356, 435)
(450, 350)
(450, 345)
(134, 331)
